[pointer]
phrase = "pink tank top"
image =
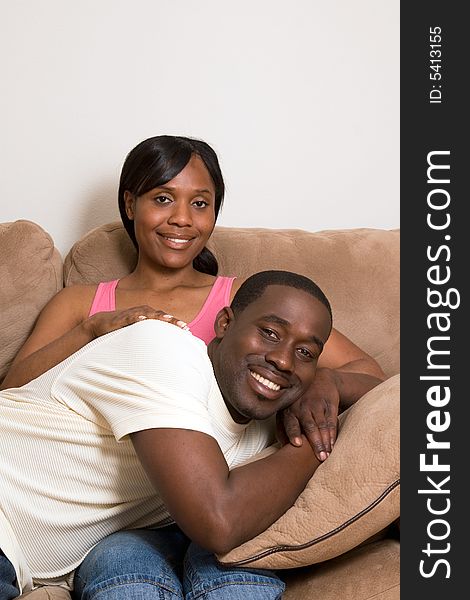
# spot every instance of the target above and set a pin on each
(202, 326)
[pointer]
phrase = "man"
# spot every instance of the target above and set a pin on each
(133, 431)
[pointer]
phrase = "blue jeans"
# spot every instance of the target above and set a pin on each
(8, 587)
(162, 564)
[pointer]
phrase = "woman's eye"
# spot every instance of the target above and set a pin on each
(200, 203)
(162, 199)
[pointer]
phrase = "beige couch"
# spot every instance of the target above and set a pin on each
(340, 539)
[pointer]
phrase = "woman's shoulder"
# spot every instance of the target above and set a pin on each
(75, 297)
(79, 290)
(237, 283)
(67, 308)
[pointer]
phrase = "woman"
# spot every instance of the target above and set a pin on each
(170, 193)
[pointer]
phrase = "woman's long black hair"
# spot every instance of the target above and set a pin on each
(157, 160)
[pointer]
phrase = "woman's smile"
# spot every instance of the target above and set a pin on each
(176, 242)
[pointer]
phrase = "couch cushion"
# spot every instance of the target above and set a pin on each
(369, 572)
(47, 592)
(102, 254)
(351, 497)
(31, 273)
(357, 268)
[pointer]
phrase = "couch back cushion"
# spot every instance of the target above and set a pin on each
(30, 274)
(358, 269)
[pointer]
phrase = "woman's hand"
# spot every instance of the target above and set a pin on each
(104, 322)
(315, 414)
(30, 364)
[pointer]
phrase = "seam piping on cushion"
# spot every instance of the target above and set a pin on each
(285, 547)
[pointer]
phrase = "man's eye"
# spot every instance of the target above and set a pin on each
(305, 353)
(269, 333)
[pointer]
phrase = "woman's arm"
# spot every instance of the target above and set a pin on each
(56, 335)
(340, 353)
(63, 327)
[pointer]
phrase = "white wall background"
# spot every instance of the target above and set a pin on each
(300, 100)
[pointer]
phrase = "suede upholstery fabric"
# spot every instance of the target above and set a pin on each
(104, 253)
(30, 274)
(359, 271)
(48, 592)
(369, 572)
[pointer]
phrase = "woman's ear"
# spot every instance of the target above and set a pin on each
(223, 321)
(129, 203)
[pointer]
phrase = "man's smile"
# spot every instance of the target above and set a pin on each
(266, 382)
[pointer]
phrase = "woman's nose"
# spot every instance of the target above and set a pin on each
(180, 215)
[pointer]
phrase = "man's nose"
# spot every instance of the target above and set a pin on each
(180, 215)
(281, 357)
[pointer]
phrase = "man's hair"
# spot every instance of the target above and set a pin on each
(255, 285)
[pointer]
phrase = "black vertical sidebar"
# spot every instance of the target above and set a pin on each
(435, 329)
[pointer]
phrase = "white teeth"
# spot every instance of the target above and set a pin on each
(270, 384)
(177, 241)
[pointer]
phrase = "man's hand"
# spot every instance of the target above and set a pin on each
(315, 414)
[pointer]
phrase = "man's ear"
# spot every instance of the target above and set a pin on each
(223, 321)
(129, 203)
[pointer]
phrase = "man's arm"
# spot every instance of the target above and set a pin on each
(217, 508)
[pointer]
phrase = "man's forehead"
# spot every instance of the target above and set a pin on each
(273, 318)
(275, 297)
(287, 305)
